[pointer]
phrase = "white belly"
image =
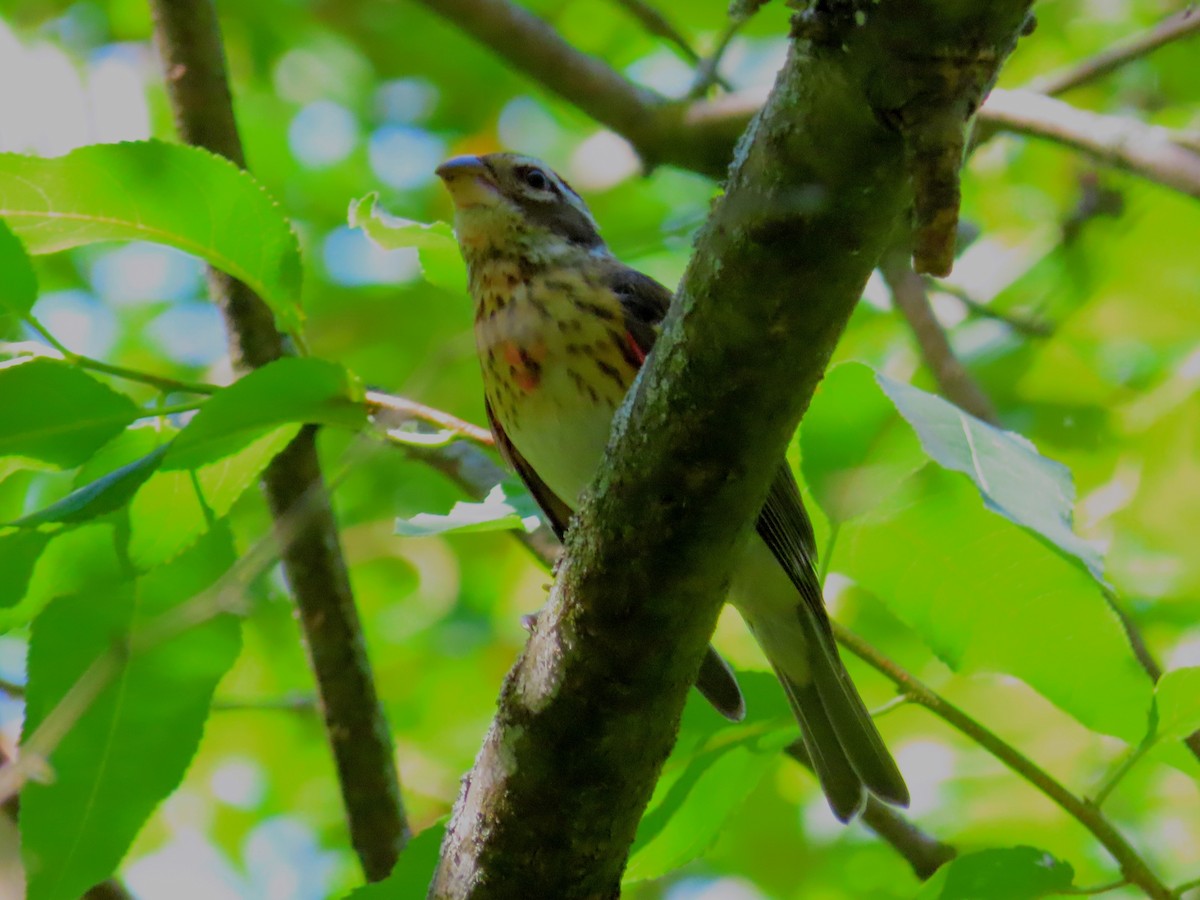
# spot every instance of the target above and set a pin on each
(560, 436)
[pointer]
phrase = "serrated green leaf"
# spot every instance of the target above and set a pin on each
(171, 194)
(1177, 701)
(986, 595)
(501, 510)
(101, 496)
(55, 413)
(19, 552)
(130, 748)
(18, 283)
(289, 390)
(1011, 873)
(168, 513)
(1014, 479)
(413, 872)
(441, 262)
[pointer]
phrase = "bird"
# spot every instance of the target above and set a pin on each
(562, 328)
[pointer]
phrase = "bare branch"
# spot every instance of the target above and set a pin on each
(193, 58)
(1184, 23)
(910, 297)
(1146, 150)
(587, 715)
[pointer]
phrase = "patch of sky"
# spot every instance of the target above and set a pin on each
(322, 133)
(352, 259)
(190, 332)
(663, 71)
(405, 100)
(526, 126)
(404, 157)
(79, 320)
(141, 272)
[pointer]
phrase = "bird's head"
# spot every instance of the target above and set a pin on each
(505, 203)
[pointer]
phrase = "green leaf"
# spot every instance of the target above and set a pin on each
(19, 552)
(174, 508)
(1177, 701)
(18, 284)
(987, 595)
(1011, 873)
(167, 193)
(506, 507)
(854, 449)
(713, 768)
(54, 413)
(289, 390)
(1015, 480)
(441, 262)
(130, 748)
(101, 496)
(413, 872)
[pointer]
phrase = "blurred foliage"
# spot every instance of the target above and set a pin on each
(967, 572)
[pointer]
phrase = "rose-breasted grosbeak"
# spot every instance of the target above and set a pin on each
(562, 328)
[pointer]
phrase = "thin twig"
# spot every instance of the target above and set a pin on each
(403, 409)
(1118, 141)
(189, 43)
(1133, 867)
(707, 72)
(1021, 324)
(1182, 24)
(954, 381)
(656, 23)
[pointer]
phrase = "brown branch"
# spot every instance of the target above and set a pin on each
(1146, 150)
(401, 409)
(1133, 867)
(646, 119)
(189, 42)
(700, 136)
(910, 296)
(1182, 24)
(587, 715)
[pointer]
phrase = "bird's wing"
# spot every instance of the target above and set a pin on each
(644, 301)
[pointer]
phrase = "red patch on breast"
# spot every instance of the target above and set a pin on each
(524, 363)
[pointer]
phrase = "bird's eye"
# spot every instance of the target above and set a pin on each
(536, 179)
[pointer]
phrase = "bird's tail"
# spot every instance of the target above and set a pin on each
(845, 747)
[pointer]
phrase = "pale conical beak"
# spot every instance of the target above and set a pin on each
(468, 180)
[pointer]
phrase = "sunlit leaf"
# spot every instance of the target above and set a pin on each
(19, 552)
(986, 595)
(130, 748)
(55, 413)
(289, 390)
(1011, 873)
(1015, 480)
(153, 191)
(1177, 701)
(18, 284)
(174, 508)
(441, 262)
(506, 507)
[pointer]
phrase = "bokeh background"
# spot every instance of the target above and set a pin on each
(339, 98)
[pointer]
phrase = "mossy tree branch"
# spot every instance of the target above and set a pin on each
(588, 714)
